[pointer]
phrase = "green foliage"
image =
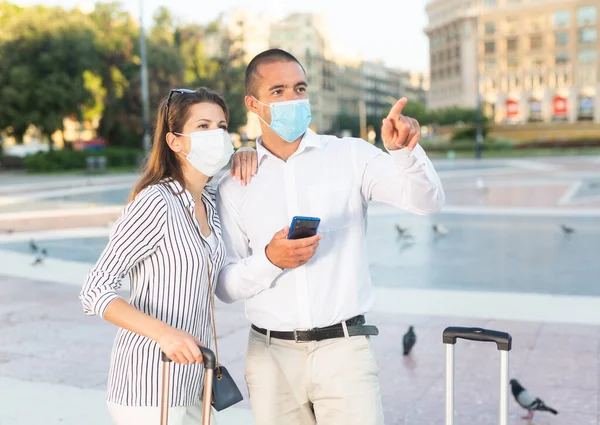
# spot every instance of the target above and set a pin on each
(57, 63)
(67, 159)
(468, 133)
(41, 70)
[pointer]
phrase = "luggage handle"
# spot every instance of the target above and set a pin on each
(503, 340)
(208, 357)
(210, 363)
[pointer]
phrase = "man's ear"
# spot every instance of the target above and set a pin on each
(251, 103)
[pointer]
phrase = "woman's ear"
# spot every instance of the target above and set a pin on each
(173, 142)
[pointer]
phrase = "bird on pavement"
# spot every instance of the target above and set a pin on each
(403, 233)
(33, 246)
(408, 341)
(528, 401)
(568, 230)
(440, 230)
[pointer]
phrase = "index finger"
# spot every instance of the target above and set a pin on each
(195, 350)
(396, 110)
(304, 242)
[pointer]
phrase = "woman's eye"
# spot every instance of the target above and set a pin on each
(204, 126)
(224, 127)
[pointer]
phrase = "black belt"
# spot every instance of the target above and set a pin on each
(356, 326)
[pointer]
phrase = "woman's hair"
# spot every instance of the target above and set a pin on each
(162, 162)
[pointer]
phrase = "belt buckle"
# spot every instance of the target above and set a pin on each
(299, 330)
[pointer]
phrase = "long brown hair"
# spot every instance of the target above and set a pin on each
(162, 162)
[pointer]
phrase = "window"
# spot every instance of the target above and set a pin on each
(512, 44)
(489, 64)
(586, 15)
(490, 28)
(536, 42)
(513, 62)
(491, 3)
(587, 35)
(537, 61)
(561, 58)
(587, 57)
(511, 25)
(490, 47)
(562, 18)
(561, 39)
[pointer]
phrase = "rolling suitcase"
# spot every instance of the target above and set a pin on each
(503, 342)
(209, 363)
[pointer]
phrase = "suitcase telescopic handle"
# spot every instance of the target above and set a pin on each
(503, 340)
(208, 357)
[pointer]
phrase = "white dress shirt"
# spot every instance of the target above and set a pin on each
(332, 179)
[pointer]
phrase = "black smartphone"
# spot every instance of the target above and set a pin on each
(303, 227)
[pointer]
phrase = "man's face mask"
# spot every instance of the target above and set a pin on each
(289, 119)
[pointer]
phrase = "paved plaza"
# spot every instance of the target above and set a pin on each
(505, 263)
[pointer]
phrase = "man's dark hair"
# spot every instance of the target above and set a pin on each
(263, 58)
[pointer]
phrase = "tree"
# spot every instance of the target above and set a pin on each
(41, 71)
(223, 72)
(115, 43)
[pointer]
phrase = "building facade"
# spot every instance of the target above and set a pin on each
(534, 60)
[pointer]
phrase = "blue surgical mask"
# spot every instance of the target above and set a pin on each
(289, 119)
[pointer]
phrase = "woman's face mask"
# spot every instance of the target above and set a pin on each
(289, 119)
(210, 150)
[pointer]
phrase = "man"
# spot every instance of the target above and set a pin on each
(299, 373)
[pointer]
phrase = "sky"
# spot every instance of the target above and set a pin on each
(390, 30)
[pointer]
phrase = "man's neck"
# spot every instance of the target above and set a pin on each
(277, 146)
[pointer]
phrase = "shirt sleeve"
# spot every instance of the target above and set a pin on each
(245, 273)
(401, 178)
(134, 236)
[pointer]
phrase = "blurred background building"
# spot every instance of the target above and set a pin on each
(534, 60)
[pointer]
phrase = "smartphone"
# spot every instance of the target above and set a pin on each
(303, 227)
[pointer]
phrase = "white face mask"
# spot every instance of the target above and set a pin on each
(210, 150)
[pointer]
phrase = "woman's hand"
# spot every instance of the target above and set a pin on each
(180, 346)
(244, 164)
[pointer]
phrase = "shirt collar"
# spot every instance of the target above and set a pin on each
(309, 140)
(178, 190)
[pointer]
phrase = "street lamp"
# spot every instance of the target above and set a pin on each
(144, 83)
(478, 112)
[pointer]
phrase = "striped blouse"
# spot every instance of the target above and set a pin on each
(158, 243)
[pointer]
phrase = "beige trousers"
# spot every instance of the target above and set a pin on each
(179, 415)
(331, 382)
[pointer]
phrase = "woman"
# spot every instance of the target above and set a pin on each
(167, 239)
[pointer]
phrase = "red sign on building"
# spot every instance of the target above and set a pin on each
(512, 108)
(559, 105)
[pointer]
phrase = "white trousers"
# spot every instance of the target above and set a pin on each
(330, 382)
(179, 415)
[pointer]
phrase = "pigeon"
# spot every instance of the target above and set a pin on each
(403, 233)
(33, 246)
(408, 341)
(528, 401)
(568, 230)
(439, 229)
